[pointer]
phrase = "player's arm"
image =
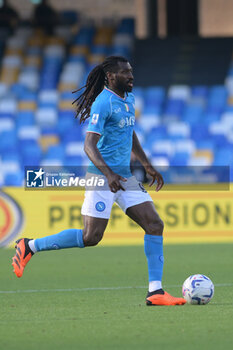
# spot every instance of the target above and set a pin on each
(150, 170)
(90, 147)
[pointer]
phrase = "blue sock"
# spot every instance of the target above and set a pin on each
(153, 247)
(64, 239)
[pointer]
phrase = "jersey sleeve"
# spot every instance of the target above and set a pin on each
(100, 112)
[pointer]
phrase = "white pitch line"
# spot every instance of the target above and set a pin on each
(92, 289)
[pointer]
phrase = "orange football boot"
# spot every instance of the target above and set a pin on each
(22, 256)
(160, 297)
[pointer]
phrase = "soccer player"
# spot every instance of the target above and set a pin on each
(109, 104)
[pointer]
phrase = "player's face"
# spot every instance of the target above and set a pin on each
(124, 77)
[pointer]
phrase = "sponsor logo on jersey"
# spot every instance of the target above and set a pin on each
(128, 121)
(11, 219)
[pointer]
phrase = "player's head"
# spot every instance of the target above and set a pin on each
(115, 72)
(118, 74)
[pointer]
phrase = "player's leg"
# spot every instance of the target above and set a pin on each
(146, 216)
(96, 211)
(91, 234)
(93, 230)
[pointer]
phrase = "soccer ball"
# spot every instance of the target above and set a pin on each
(198, 289)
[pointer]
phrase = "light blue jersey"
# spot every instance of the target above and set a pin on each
(113, 118)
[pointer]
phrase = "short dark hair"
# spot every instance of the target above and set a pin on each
(96, 80)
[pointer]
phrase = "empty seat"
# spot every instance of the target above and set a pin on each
(179, 92)
(46, 116)
(163, 146)
(29, 132)
(6, 124)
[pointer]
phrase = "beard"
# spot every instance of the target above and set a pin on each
(123, 86)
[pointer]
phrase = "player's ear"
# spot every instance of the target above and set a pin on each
(110, 76)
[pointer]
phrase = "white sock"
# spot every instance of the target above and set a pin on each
(31, 244)
(154, 285)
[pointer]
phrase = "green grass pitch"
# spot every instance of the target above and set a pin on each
(94, 298)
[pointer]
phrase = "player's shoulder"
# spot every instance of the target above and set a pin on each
(103, 95)
(103, 98)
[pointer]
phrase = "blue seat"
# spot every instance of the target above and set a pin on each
(76, 58)
(67, 95)
(25, 118)
(218, 90)
(14, 179)
(31, 153)
(28, 95)
(228, 108)
(75, 134)
(215, 109)
(65, 125)
(55, 152)
(220, 140)
(155, 94)
(208, 144)
(48, 130)
(85, 36)
(138, 91)
(119, 50)
(8, 140)
(174, 107)
(33, 51)
(99, 49)
(20, 90)
(230, 72)
(73, 161)
(126, 26)
(12, 155)
(179, 159)
(223, 156)
(208, 118)
(199, 91)
(199, 133)
(192, 114)
(217, 97)
(158, 133)
(152, 109)
(69, 17)
(7, 115)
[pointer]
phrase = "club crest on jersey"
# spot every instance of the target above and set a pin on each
(95, 118)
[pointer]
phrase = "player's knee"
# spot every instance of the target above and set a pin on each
(91, 239)
(156, 228)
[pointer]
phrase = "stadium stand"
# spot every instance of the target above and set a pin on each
(177, 124)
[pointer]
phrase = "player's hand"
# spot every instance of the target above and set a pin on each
(114, 182)
(156, 176)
